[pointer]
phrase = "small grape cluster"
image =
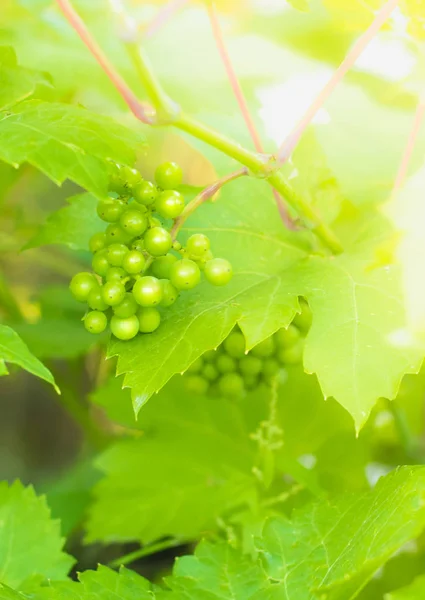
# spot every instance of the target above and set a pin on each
(230, 372)
(137, 264)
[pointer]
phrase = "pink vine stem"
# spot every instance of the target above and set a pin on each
(163, 16)
(241, 100)
(411, 141)
(291, 141)
(141, 111)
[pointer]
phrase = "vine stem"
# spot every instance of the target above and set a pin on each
(202, 197)
(163, 16)
(411, 141)
(261, 165)
(293, 138)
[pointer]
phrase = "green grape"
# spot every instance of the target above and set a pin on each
(201, 261)
(287, 337)
(177, 246)
(231, 385)
(131, 176)
(234, 344)
(251, 382)
(113, 293)
(265, 348)
(210, 372)
(134, 262)
(81, 285)
(117, 183)
(95, 300)
(149, 319)
(145, 193)
(270, 368)
(169, 204)
(116, 234)
(147, 291)
(218, 271)
(196, 366)
(134, 222)
(97, 242)
(157, 241)
(115, 274)
(225, 363)
(250, 365)
(154, 222)
(196, 384)
(185, 274)
(110, 210)
(198, 244)
(116, 253)
(138, 244)
(125, 329)
(161, 266)
(210, 355)
(304, 319)
(99, 263)
(168, 175)
(169, 293)
(95, 321)
(291, 355)
(127, 307)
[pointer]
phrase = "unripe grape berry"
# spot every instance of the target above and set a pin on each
(131, 177)
(161, 266)
(81, 285)
(198, 244)
(138, 244)
(97, 242)
(218, 271)
(117, 183)
(157, 241)
(149, 319)
(201, 261)
(125, 329)
(185, 274)
(303, 319)
(265, 348)
(231, 385)
(210, 355)
(115, 274)
(116, 253)
(134, 222)
(196, 385)
(177, 246)
(169, 293)
(110, 210)
(145, 193)
(168, 175)
(287, 337)
(99, 263)
(134, 262)
(196, 366)
(250, 365)
(225, 363)
(251, 382)
(95, 321)
(116, 234)
(147, 291)
(234, 344)
(210, 372)
(113, 293)
(270, 368)
(95, 300)
(169, 204)
(127, 307)
(291, 355)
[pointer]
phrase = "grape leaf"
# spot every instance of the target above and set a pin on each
(334, 549)
(193, 463)
(72, 225)
(16, 83)
(414, 591)
(66, 141)
(14, 350)
(30, 541)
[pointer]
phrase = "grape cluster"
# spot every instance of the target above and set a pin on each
(230, 372)
(137, 265)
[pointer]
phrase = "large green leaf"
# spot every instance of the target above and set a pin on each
(72, 225)
(30, 542)
(16, 83)
(193, 463)
(334, 549)
(66, 142)
(414, 591)
(14, 350)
